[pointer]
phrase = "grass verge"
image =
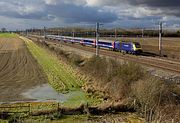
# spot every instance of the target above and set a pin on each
(82, 98)
(7, 35)
(60, 76)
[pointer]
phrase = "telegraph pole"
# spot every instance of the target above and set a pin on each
(27, 32)
(97, 38)
(142, 33)
(58, 32)
(73, 33)
(44, 34)
(115, 34)
(160, 39)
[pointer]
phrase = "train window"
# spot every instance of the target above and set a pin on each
(88, 41)
(105, 43)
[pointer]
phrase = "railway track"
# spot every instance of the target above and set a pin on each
(158, 63)
(172, 66)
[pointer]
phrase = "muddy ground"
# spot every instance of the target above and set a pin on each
(19, 71)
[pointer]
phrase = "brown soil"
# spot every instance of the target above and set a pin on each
(19, 71)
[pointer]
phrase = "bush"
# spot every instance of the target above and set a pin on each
(115, 78)
(129, 72)
(15, 118)
(75, 59)
(51, 48)
(55, 116)
(95, 67)
(152, 96)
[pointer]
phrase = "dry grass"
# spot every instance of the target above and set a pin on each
(153, 97)
(154, 100)
(111, 76)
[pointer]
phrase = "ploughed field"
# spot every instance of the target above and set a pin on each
(19, 71)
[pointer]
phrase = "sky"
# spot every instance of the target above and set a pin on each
(24, 14)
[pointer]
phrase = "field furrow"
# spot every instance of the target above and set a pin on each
(19, 70)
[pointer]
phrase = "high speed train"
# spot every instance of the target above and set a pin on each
(125, 47)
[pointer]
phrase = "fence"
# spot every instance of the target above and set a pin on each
(15, 109)
(30, 108)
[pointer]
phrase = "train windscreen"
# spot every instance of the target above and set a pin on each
(137, 45)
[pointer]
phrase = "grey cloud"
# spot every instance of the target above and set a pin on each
(168, 7)
(142, 18)
(46, 10)
(156, 3)
(22, 9)
(73, 13)
(38, 16)
(150, 3)
(118, 12)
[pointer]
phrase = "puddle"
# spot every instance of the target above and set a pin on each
(47, 93)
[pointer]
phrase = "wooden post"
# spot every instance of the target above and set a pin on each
(160, 39)
(97, 39)
(29, 108)
(58, 107)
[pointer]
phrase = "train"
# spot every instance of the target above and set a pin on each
(124, 47)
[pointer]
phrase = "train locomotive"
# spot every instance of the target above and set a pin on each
(124, 47)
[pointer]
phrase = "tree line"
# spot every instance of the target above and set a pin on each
(90, 32)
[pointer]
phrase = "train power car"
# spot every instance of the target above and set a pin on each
(130, 47)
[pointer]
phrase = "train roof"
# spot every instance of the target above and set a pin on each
(80, 38)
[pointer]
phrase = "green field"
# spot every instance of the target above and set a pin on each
(7, 35)
(60, 76)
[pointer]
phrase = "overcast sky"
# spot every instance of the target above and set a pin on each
(22, 14)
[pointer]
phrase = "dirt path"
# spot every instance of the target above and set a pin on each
(19, 71)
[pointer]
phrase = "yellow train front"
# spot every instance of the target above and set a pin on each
(129, 47)
(137, 48)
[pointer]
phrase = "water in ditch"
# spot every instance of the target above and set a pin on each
(45, 93)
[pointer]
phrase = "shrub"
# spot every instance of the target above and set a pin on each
(115, 78)
(15, 118)
(51, 47)
(152, 96)
(55, 116)
(75, 59)
(130, 72)
(95, 67)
